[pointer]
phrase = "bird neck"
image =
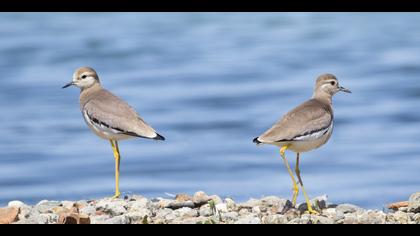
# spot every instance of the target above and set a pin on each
(87, 93)
(322, 96)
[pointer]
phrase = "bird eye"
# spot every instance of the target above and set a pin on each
(332, 83)
(84, 76)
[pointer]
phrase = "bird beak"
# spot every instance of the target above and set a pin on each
(342, 89)
(68, 85)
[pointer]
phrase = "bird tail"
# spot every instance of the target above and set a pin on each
(159, 137)
(256, 141)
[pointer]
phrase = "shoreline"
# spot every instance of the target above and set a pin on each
(204, 209)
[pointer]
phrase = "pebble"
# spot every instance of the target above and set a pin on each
(197, 209)
(16, 204)
(347, 208)
(414, 203)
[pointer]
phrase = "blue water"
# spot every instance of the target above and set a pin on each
(210, 83)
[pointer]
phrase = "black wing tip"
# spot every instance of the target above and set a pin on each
(256, 141)
(159, 137)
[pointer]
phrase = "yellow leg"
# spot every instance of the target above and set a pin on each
(116, 150)
(308, 202)
(295, 186)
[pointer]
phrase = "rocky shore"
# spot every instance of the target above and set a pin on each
(204, 209)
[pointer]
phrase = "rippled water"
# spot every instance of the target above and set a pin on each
(210, 83)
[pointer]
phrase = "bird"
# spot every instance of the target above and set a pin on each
(108, 116)
(306, 127)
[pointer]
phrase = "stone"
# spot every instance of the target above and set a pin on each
(200, 198)
(73, 218)
(172, 204)
(183, 197)
(68, 204)
(372, 217)
(401, 217)
(249, 204)
(119, 220)
(230, 204)
(137, 216)
(112, 207)
(186, 212)
(350, 218)
(216, 199)
(221, 207)
(8, 215)
(230, 216)
(256, 210)
(321, 220)
(347, 208)
(46, 206)
(249, 219)
(101, 219)
(416, 218)
(275, 219)
(47, 218)
(88, 210)
(333, 214)
(414, 203)
(205, 210)
(16, 204)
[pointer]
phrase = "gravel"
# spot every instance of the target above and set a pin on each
(201, 208)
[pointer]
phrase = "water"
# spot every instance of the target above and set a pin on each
(210, 83)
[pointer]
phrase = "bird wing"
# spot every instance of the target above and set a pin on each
(110, 111)
(311, 117)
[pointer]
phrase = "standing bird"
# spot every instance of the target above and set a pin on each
(306, 127)
(108, 116)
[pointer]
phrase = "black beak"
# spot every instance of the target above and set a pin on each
(68, 85)
(342, 89)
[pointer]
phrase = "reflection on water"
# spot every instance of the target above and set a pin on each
(210, 83)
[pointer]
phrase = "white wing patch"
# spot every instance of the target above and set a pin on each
(315, 135)
(99, 126)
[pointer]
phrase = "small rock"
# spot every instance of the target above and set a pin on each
(119, 220)
(350, 218)
(216, 199)
(205, 210)
(47, 218)
(275, 219)
(172, 204)
(68, 204)
(137, 216)
(200, 198)
(249, 204)
(99, 219)
(372, 217)
(46, 206)
(321, 220)
(186, 212)
(230, 204)
(163, 213)
(183, 197)
(16, 204)
(416, 218)
(8, 215)
(221, 207)
(333, 214)
(88, 210)
(114, 207)
(414, 203)
(73, 218)
(256, 210)
(230, 216)
(347, 208)
(401, 217)
(249, 219)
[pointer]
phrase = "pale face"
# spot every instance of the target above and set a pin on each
(329, 84)
(83, 78)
